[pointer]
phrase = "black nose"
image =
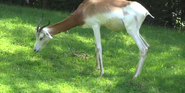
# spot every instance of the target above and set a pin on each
(35, 50)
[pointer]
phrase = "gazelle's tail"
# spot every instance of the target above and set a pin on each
(150, 15)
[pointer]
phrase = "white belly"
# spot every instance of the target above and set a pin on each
(114, 24)
(112, 20)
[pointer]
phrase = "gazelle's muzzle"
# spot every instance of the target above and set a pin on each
(37, 50)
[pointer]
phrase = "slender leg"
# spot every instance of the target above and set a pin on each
(144, 41)
(132, 26)
(97, 57)
(143, 51)
(139, 23)
(98, 48)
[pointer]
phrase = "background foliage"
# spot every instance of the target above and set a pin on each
(168, 13)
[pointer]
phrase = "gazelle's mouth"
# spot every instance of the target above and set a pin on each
(37, 50)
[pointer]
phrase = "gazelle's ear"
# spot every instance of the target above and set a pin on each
(48, 34)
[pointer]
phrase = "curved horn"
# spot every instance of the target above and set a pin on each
(44, 26)
(39, 23)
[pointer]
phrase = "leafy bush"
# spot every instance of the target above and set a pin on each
(168, 13)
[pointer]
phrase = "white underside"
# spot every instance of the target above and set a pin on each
(113, 20)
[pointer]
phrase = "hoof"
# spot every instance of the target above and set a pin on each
(101, 74)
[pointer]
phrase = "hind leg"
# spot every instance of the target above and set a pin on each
(146, 44)
(132, 25)
(142, 47)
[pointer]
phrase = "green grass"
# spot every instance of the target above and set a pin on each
(54, 70)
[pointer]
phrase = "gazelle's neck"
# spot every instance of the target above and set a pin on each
(64, 25)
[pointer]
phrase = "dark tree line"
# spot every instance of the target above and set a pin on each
(168, 13)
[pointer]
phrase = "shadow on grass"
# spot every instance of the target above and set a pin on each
(28, 71)
(169, 84)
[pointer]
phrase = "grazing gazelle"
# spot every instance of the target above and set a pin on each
(113, 14)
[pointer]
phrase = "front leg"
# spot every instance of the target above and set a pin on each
(98, 48)
(97, 57)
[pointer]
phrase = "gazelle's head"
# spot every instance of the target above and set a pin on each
(42, 36)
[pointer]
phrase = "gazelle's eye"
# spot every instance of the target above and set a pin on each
(41, 38)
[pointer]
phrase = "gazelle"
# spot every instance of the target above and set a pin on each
(113, 14)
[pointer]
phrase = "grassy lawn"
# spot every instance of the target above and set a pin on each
(55, 70)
